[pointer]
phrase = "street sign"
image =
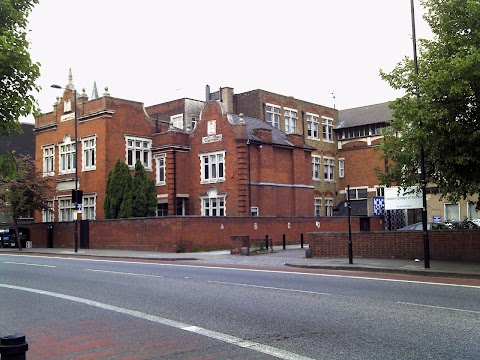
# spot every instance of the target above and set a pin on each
(396, 198)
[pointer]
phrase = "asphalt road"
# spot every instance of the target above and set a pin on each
(100, 309)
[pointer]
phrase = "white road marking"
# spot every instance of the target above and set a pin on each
(125, 273)
(265, 349)
(270, 288)
(260, 270)
(28, 264)
(438, 307)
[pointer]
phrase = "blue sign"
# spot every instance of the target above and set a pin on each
(437, 219)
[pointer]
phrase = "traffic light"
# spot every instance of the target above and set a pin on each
(77, 196)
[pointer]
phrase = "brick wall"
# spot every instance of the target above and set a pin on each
(454, 245)
(206, 233)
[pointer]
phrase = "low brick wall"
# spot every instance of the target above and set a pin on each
(454, 245)
(187, 233)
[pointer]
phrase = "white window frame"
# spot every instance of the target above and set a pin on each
(328, 169)
(272, 115)
(341, 168)
(177, 121)
(138, 148)
(65, 209)
(445, 212)
(48, 215)
(89, 207)
(380, 191)
(89, 153)
(472, 212)
(67, 106)
(66, 163)
(327, 129)
(290, 120)
(160, 169)
(212, 167)
(48, 160)
(317, 205)
(316, 167)
(356, 193)
(213, 204)
(162, 210)
(194, 122)
(180, 206)
(312, 126)
(328, 207)
(254, 211)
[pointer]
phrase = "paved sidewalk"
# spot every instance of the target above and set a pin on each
(293, 256)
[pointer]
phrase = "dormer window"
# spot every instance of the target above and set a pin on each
(177, 121)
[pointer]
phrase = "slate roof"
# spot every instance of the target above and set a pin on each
(278, 136)
(357, 208)
(364, 115)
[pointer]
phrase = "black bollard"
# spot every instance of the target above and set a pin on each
(13, 347)
(301, 240)
(284, 242)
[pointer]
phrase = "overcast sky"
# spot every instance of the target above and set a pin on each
(154, 51)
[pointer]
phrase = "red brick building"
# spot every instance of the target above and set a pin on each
(313, 122)
(216, 164)
(359, 134)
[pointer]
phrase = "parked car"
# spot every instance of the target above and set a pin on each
(430, 226)
(465, 224)
(476, 221)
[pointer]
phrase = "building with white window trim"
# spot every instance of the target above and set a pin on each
(359, 133)
(205, 161)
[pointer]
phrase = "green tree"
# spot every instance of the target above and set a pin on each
(141, 200)
(28, 190)
(17, 73)
(440, 109)
(118, 185)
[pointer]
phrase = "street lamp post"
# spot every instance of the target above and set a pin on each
(350, 246)
(426, 245)
(75, 197)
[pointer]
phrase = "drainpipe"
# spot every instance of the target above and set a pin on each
(174, 182)
(249, 180)
(303, 126)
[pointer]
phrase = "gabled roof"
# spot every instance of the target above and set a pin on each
(364, 115)
(278, 136)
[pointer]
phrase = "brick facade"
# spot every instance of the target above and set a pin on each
(253, 103)
(252, 164)
(106, 119)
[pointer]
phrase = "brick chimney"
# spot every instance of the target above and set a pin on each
(264, 134)
(296, 139)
